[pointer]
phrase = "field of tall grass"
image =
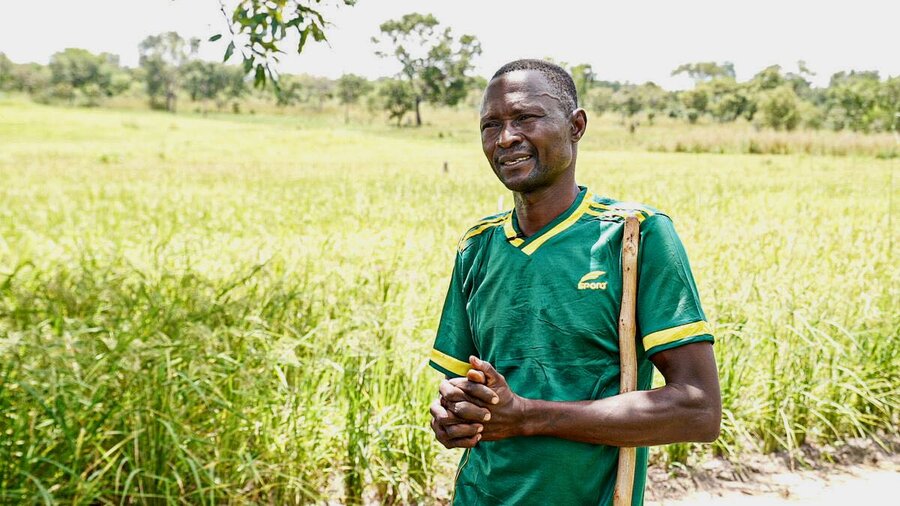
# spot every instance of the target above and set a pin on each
(238, 309)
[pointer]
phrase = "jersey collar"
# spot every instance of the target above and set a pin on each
(529, 245)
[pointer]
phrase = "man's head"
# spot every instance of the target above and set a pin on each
(530, 125)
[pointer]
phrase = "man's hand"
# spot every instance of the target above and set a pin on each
(452, 431)
(478, 407)
(456, 417)
(484, 396)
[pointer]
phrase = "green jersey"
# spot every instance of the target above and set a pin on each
(544, 311)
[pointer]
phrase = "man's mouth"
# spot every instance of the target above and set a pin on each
(510, 161)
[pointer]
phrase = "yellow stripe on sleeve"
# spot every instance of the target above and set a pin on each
(447, 362)
(676, 333)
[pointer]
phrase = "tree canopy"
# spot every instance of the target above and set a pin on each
(258, 29)
(433, 63)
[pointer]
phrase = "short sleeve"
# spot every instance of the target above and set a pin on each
(669, 313)
(454, 344)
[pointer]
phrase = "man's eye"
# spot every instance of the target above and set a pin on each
(487, 126)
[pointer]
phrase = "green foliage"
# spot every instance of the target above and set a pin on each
(705, 71)
(433, 62)
(77, 74)
(768, 78)
(161, 56)
(728, 99)
(628, 101)
(779, 108)
(695, 102)
(860, 101)
(289, 91)
(31, 78)
(397, 97)
(212, 81)
(350, 87)
(6, 73)
(265, 24)
(600, 99)
(583, 75)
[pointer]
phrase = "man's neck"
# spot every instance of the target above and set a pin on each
(536, 209)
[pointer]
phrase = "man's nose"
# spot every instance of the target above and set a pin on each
(509, 136)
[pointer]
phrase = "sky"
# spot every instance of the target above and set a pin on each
(632, 40)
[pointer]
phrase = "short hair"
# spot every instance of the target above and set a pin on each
(559, 79)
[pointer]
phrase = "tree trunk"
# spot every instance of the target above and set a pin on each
(418, 116)
(346, 113)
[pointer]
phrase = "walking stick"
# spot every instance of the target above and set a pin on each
(627, 358)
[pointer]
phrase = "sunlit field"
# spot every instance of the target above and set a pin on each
(238, 308)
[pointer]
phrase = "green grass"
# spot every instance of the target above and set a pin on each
(238, 308)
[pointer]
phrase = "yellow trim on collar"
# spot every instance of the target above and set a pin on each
(561, 226)
(511, 232)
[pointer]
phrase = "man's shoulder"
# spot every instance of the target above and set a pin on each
(610, 208)
(477, 231)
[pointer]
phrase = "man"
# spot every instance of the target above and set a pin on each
(528, 334)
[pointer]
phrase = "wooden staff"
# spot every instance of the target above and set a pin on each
(627, 357)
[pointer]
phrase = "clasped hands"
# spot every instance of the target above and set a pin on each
(477, 407)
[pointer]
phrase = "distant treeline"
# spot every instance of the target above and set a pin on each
(170, 72)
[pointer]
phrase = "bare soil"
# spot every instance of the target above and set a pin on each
(859, 469)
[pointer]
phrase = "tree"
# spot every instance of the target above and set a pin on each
(288, 91)
(600, 99)
(260, 26)
(78, 72)
(350, 87)
(160, 58)
(768, 78)
(6, 73)
(434, 64)
(652, 98)
(853, 102)
(779, 108)
(584, 76)
(397, 97)
(627, 101)
(212, 81)
(704, 71)
(728, 99)
(31, 78)
(695, 102)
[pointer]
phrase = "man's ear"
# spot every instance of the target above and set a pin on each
(578, 122)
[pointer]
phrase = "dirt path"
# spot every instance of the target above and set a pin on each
(840, 486)
(857, 470)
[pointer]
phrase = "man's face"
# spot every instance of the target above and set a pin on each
(526, 134)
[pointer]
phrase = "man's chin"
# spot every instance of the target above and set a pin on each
(519, 183)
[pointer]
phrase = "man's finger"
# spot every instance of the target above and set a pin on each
(479, 392)
(437, 410)
(448, 389)
(463, 442)
(491, 376)
(463, 430)
(475, 376)
(463, 390)
(469, 411)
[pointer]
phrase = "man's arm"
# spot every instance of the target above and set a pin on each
(687, 408)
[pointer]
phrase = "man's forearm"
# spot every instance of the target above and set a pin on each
(688, 408)
(670, 414)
